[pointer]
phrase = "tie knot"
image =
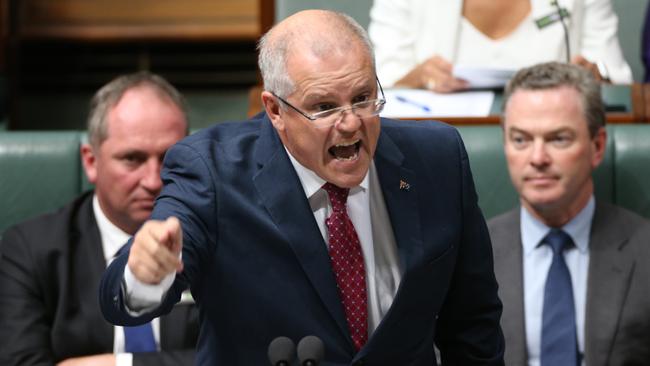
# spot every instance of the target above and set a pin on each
(338, 196)
(558, 240)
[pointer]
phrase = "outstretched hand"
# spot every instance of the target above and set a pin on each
(156, 249)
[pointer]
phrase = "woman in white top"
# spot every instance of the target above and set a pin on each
(417, 42)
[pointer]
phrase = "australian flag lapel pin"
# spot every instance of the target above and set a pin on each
(404, 186)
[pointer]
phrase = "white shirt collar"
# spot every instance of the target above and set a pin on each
(579, 227)
(112, 237)
(312, 183)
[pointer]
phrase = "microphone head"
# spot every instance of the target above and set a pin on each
(311, 351)
(281, 351)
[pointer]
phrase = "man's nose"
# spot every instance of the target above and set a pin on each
(539, 154)
(151, 179)
(349, 121)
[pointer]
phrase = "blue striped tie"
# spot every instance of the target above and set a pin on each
(559, 337)
(139, 339)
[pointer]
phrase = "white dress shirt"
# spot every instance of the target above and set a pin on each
(537, 260)
(383, 273)
(375, 234)
(112, 239)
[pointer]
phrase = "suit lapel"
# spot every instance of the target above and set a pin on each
(508, 268)
(399, 186)
(277, 183)
(610, 269)
(88, 265)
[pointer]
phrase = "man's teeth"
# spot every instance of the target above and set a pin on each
(344, 144)
(346, 151)
(351, 157)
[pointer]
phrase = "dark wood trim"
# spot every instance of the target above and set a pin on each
(644, 102)
(267, 15)
(638, 94)
(119, 20)
(4, 33)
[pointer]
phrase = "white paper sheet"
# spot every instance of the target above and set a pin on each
(417, 103)
(483, 77)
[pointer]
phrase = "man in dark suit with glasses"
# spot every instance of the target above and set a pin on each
(319, 217)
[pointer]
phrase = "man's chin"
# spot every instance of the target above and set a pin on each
(141, 213)
(543, 203)
(348, 175)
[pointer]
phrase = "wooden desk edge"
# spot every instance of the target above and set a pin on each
(640, 95)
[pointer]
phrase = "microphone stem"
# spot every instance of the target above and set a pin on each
(566, 31)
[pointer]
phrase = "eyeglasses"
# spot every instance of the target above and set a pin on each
(330, 117)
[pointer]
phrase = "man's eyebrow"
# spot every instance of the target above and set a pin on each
(558, 130)
(316, 97)
(130, 152)
(319, 96)
(517, 130)
(551, 132)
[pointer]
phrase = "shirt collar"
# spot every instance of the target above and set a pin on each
(113, 238)
(312, 183)
(578, 228)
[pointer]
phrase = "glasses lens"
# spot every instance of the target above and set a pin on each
(369, 108)
(365, 109)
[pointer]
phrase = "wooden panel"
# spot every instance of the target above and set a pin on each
(4, 33)
(140, 19)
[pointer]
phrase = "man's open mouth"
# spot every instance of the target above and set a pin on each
(346, 150)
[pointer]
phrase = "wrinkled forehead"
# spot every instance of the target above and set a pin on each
(328, 56)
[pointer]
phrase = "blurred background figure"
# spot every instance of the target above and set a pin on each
(50, 266)
(417, 43)
(573, 270)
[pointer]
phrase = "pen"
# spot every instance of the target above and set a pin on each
(413, 103)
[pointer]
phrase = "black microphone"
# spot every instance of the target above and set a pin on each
(310, 351)
(564, 28)
(281, 351)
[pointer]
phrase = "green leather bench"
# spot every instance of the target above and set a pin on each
(40, 171)
(623, 177)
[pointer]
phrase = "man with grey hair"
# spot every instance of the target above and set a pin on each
(318, 218)
(50, 266)
(574, 272)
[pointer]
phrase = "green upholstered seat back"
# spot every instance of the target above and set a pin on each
(39, 171)
(622, 178)
(484, 146)
(631, 183)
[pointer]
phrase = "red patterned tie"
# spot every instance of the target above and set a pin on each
(348, 265)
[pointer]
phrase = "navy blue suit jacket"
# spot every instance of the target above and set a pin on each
(258, 267)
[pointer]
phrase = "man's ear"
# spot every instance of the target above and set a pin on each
(272, 108)
(89, 161)
(599, 143)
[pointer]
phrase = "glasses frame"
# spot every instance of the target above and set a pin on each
(380, 101)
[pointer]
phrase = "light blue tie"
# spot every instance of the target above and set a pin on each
(139, 339)
(559, 337)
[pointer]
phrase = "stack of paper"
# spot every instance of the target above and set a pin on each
(483, 77)
(417, 103)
